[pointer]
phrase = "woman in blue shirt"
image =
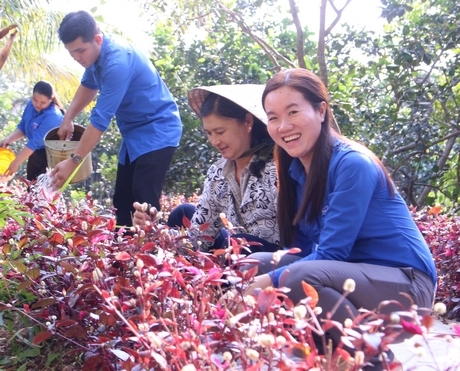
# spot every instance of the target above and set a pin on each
(338, 205)
(42, 113)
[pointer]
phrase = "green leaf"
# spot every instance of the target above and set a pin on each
(29, 353)
(33, 273)
(406, 30)
(51, 357)
(20, 267)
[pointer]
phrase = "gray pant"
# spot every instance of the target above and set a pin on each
(374, 284)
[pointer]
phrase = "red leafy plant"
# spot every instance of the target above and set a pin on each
(115, 299)
(442, 233)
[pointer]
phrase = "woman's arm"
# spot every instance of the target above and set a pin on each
(13, 137)
(210, 204)
(352, 182)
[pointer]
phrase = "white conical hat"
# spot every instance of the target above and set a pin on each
(247, 96)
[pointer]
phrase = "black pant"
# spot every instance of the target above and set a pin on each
(140, 180)
(36, 164)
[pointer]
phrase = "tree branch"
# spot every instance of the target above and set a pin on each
(441, 162)
(300, 36)
(432, 66)
(410, 146)
(268, 49)
(338, 13)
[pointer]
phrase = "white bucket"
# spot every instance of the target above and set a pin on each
(59, 150)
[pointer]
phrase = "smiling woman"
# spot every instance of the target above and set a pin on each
(295, 127)
(338, 204)
(43, 112)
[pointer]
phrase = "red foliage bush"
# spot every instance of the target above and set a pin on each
(146, 300)
(442, 233)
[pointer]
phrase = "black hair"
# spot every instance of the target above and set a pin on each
(261, 143)
(78, 24)
(46, 88)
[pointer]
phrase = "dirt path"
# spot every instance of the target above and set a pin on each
(441, 353)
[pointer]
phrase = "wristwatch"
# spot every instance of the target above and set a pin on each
(76, 158)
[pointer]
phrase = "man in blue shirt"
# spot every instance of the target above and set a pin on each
(130, 89)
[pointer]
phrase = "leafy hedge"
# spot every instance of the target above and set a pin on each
(442, 233)
(78, 294)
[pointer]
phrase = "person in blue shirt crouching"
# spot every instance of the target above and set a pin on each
(131, 89)
(337, 203)
(43, 113)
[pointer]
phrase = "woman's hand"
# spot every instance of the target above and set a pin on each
(142, 215)
(261, 282)
(13, 168)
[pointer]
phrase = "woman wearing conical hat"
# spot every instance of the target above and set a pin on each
(242, 184)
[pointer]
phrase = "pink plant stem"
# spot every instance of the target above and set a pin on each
(342, 298)
(431, 352)
(114, 308)
(317, 328)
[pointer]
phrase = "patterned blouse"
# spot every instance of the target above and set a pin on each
(251, 205)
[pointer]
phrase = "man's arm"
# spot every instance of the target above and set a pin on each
(82, 98)
(88, 140)
(65, 168)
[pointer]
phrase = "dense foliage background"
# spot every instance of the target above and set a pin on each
(395, 90)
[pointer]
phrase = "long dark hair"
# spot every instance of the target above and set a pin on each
(215, 104)
(288, 215)
(45, 88)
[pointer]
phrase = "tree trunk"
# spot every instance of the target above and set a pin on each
(300, 36)
(321, 43)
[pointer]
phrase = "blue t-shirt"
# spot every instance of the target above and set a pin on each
(361, 221)
(35, 125)
(131, 89)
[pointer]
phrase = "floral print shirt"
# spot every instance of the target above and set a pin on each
(250, 205)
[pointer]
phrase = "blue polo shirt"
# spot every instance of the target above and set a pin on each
(131, 89)
(361, 221)
(35, 125)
